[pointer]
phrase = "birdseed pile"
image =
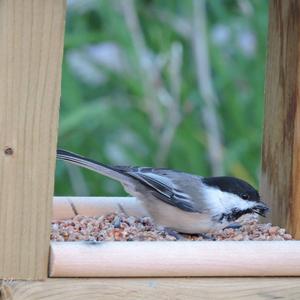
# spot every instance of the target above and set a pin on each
(120, 227)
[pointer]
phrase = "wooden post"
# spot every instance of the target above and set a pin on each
(280, 179)
(31, 46)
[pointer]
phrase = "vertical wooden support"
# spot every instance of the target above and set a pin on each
(280, 179)
(31, 46)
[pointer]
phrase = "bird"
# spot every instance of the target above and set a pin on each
(179, 201)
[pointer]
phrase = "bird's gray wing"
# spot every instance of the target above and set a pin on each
(175, 188)
(178, 189)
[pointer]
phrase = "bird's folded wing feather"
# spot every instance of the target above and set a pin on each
(167, 186)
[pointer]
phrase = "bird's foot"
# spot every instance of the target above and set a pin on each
(233, 226)
(173, 233)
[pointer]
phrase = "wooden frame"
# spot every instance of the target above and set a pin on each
(31, 47)
(31, 42)
(153, 288)
(281, 145)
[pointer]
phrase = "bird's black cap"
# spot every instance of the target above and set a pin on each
(233, 185)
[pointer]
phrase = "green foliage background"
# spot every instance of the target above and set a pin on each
(104, 113)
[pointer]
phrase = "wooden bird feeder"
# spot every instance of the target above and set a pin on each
(31, 48)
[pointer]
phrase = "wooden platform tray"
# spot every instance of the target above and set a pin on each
(163, 259)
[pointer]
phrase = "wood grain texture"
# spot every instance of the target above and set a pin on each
(31, 45)
(280, 179)
(68, 207)
(174, 259)
(154, 288)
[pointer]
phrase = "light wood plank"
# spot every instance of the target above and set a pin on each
(31, 44)
(174, 259)
(154, 288)
(280, 179)
(67, 207)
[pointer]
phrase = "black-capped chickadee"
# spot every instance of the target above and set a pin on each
(180, 201)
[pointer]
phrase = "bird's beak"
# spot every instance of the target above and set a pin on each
(261, 209)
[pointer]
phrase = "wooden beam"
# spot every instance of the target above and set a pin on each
(67, 207)
(153, 288)
(31, 45)
(280, 178)
(174, 259)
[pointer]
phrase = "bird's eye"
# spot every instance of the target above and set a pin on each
(245, 196)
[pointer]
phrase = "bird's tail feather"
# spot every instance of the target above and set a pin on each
(92, 165)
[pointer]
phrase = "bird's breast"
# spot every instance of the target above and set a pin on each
(182, 221)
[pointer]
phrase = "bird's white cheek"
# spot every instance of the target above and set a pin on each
(215, 201)
(231, 201)
(223, 202)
